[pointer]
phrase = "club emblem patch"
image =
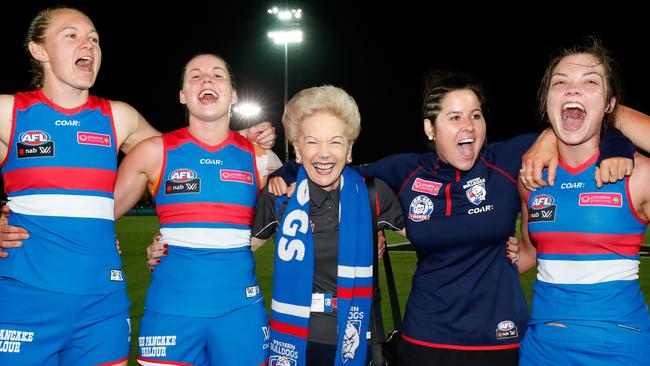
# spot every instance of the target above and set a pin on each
(420, 209)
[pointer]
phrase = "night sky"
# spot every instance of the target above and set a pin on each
(377, 53)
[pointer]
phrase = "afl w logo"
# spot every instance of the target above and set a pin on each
(182, 181)
(34, 144)
(542, 208)
(507, 329)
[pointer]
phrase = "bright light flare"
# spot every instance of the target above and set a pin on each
(247, 110)
(285, 15)
(282, 37)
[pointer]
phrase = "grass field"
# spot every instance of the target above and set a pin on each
(135, 233)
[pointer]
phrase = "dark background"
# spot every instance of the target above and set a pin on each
(378, 53)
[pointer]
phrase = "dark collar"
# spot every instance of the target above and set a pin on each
(318, 195)
(447, 173)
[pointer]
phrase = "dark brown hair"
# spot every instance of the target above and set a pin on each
(590, 46)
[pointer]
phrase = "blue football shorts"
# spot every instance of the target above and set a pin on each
(549, 345)
(44, 328)
(237, 338)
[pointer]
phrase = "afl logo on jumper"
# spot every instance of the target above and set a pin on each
(182, 181)
(506, 329)
(420, 209)
(542, 208)
(34, 144)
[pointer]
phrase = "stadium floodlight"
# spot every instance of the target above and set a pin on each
(289, 33)
(285, 37)
(247, 110)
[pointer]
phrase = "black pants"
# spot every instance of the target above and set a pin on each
(412, 354)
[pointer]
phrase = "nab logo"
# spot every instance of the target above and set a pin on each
(507, 329)
(542, 201)
(34, 144)
(182, 181)
(34, 138)
(542, 209)
(182, 175)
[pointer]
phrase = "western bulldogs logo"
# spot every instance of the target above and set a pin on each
(476, 193)
(282, 353)
(182, 181)
(421, 208)
(34, 144)
(281, 361)
(542, 209)
(351, 340)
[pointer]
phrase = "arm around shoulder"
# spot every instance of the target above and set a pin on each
(390, 211)
(265, 220)
(527, 252)
(267, 162)
(638, 185)
(139, 169)
(635, 125)
(394, 169)
(6, 114)
(130, 126)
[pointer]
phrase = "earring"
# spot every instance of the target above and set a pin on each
(431, 138)
(349, 160)
(298, 161)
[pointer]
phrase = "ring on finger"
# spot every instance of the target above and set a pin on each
(515, 259)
